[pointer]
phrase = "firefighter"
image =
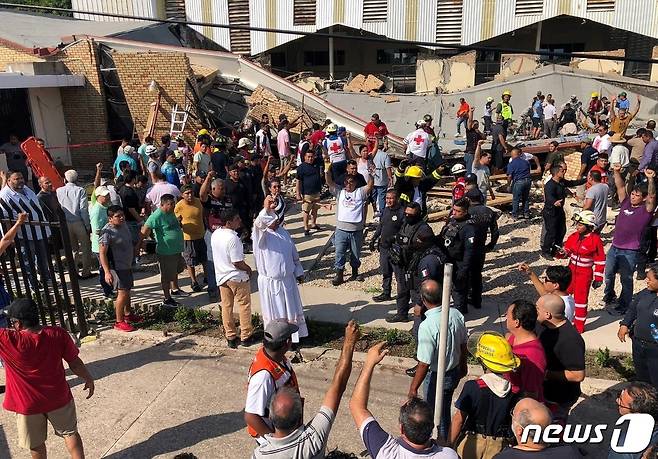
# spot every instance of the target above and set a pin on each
(414, 237)
(505, 110)
(586, 262)
(412, 185)
(458, 240)
(459, 172)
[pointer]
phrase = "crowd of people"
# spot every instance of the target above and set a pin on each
(209, 203)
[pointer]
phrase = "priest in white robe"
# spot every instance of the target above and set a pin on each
(279, 270)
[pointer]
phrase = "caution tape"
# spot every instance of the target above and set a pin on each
(88, 144)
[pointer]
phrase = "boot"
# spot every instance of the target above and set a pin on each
(338, 278)
(384, 296)
(355, 275)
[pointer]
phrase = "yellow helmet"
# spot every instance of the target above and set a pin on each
(586, 217)
(507, 92)
(203, 132)
(493, 350)
(595, 94)
(414, 172)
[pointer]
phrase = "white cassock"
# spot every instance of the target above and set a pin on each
(278, 265)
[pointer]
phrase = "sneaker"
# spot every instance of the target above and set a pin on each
(382, 297)
(547, 256)
(411, 372)
(213, 297)
(124, 327)
(307, 233)
(170, 303)
(233, 343)
(179, 292)
(196, 287)
(249, 341)
(133, 318)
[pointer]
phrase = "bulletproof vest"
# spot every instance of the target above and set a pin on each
(452, 243)
(401, 251)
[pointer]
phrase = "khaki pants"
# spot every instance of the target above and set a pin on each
(80, 245)
(232, 294)
(33, 428)
(476, 446)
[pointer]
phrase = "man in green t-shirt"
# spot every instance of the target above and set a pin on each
(169, 238)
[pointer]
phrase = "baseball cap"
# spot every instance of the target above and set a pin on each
(471, 178)
(202, 174)
(150, 149)
(279, 330)
(102, 191)
(23, 309)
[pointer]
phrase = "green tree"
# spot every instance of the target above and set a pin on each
(51, 3)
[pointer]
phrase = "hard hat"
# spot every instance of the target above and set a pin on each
(244, 142)
(427, 118)
(203, 132)
(574, 97)
(420, 123)
(458, 168)
(494, 351)
(414, 172)
(128, 150)
(341, 130)
(490, 99)
(595, 94)
(622, 94)
(586, 217)
(150, 149)
(220, 141)
(332, 128)
(507, 92)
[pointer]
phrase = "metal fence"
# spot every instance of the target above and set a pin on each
(40, 265)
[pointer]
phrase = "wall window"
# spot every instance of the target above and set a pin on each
(529, 7)
(375, 10)
(397, 56)
(321, 58)
(600, 5)
(304, 12)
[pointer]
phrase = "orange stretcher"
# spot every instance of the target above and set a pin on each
(41, 162)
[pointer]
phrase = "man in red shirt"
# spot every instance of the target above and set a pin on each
(600, 166)
(462, 115)
(37, 390)
(375, 132)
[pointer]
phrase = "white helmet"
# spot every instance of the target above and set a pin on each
(150, 149)
(421, 123)
(586, 217)
(458, 168)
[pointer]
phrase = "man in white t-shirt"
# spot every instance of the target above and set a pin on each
(263, 137)
(550, 119)
(417, 143)
(351, 202)
(601, 142)
(556, 281)
(232, 276)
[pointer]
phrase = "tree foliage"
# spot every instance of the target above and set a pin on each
(51, 3)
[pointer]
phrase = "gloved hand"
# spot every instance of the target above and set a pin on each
(597, 284)
(373, 245)
(442, 169)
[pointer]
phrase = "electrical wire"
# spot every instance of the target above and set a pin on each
(397, 43)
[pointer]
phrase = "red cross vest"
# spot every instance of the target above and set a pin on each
(335, 149)
(277, 372)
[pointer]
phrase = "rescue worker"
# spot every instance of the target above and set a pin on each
(418, 143)
(457, 239)
(485, 221)
(390, 222)
(594, 108)
(412, 185)
(336, 149)
(483, 409)
(505, 110)
(414, 237)
(269, 371)
(459, 172)
(586, 262)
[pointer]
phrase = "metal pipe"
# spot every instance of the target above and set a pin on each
(538, 37)
(443, 343)
(331, 55)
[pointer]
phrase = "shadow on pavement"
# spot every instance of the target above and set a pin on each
(184, 435)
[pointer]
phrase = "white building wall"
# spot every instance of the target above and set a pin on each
(48, 121)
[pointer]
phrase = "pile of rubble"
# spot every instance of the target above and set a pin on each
(263, 100)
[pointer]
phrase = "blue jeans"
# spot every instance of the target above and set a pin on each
(40, 255)
(620, 261)
(461, 121)
(521, 193)
(468, 162)
(344, 240)
(213, 290)
(450, 383)
(107, 288)
(379, 195)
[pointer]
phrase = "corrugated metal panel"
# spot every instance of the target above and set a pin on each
(141, 8)
(353, 13)
(529, 7)
(257, 19)
(220, 16)
(175, 9)
(304, 12)
(397, 15)
(471, 23)
(325, 14)
(375, 10)
(238, 14)
(426, 21)
(449, 21)
(600, 5)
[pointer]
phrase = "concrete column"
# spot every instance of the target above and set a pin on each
(538, 38)
(331, 55)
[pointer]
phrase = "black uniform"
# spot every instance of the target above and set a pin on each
(410, 243)
(406, 190)
(555, 220)
(390, 222)
(430, 266)
(485, 221)
(640, 316)
(457, 240)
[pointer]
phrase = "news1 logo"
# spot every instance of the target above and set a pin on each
(631, 434)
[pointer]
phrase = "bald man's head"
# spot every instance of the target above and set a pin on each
(529, 411)
(550, 307)
(430, 292)
(286, 411)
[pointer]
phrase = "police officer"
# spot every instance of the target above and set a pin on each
(390, 222)
(485, 221)
(457, 239)
(412, 185)
(410, 243)
(641, 323)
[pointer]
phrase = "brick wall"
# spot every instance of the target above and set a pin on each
(10, 54)
(264, 101)
(171, 72)
(85, 108)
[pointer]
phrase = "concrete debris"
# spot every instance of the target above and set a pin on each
(516, 64)
(307, 82)
(600, 65)
(361, 83)
(391, 99)
(453, 74)
(374, 94)
(263, 101)
(573, 165)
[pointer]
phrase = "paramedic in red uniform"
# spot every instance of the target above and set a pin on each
(269, 372)
(376, 131)
(586, 262)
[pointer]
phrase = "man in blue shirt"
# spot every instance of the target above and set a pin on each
(622, 102)
(518, 176)
(428, 347)
(537, 116)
